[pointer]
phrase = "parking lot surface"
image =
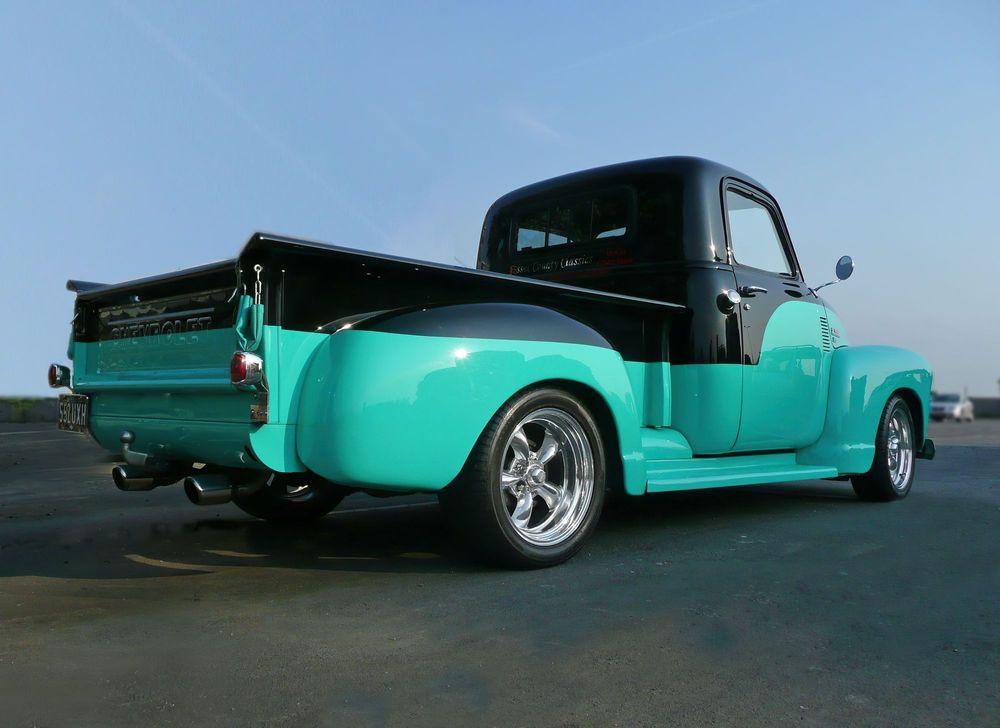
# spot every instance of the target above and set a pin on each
(780, 605)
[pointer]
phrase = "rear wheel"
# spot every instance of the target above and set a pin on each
(291, 497)
(891, 473)
(533, 487)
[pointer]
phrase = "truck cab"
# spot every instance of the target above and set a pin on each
(642, 327)
(749, 366)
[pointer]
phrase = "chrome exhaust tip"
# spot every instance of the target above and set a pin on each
(129, 478)
(208, 490)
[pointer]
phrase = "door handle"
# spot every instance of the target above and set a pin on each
(752, 290)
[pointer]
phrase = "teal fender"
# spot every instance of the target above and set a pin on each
(862, 378)
(402, 412)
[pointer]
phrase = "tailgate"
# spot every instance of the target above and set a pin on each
(160, 347)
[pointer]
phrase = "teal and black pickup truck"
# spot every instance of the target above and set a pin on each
(637, 328)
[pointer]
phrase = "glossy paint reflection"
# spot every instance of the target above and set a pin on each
(403, 412)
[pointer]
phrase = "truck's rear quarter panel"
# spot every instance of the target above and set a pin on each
(402, 412)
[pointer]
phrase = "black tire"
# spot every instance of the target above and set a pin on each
(479, 509)
(291, 498)
(881, 482)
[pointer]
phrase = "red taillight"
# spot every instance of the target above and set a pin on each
(246, 369)
(58, 376)
(238, 369)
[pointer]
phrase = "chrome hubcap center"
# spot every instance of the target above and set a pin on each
(535, 474)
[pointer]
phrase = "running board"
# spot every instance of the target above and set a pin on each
(666, 475)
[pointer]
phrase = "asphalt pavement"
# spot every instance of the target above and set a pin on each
(780, 605)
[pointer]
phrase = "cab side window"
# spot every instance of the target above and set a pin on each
(753, 234)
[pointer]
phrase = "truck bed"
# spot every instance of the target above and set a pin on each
(307, 285)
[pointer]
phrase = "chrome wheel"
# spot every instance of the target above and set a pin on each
(899, 449)
(547, 477)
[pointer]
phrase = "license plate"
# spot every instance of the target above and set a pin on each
(74, 411)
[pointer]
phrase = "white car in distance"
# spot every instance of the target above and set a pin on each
(955, 407)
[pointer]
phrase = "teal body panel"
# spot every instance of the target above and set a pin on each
(190, 361)
(202, 441)
(664, 443)
(402, 412)
(837, 335)
(862, 378)
(706, 405)
(287, 355)
(652, 390)
(173, 393)
(784, 394)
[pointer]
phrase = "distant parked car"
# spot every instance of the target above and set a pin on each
(955, 407)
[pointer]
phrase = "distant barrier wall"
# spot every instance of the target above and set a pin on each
(986, 406)
(28, 409)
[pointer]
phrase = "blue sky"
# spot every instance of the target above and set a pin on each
(139, 137)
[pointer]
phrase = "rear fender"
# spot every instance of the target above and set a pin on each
(862, 378)
(402, 406)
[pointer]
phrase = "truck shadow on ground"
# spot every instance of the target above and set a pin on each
(383, 538)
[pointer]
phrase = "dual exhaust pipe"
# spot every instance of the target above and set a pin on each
(202, 489)
(210, 489)
(132, 478)
(140, 471)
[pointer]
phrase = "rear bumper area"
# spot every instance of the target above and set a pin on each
(219, 443)
(226, 444)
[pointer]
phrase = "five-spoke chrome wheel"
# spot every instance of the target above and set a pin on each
(547, 477)
(899, 449)
(896, 443)
(533, 486)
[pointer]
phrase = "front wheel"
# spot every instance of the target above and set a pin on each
(533, 487)
(291, 497)
(891, 474)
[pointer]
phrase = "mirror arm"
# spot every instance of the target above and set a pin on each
(830, 283)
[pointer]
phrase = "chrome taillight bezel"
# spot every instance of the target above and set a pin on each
(246, 369)
(58, 375)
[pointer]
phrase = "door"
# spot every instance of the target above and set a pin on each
(783, 358)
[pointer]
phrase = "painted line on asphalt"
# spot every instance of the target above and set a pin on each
(146, 561)
(235, 554)
(27, 432)
(385, 508)
(40, 442)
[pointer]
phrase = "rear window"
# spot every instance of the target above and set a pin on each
(604, 216)
(579, 232)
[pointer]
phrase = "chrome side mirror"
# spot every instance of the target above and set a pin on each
(845, 269)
